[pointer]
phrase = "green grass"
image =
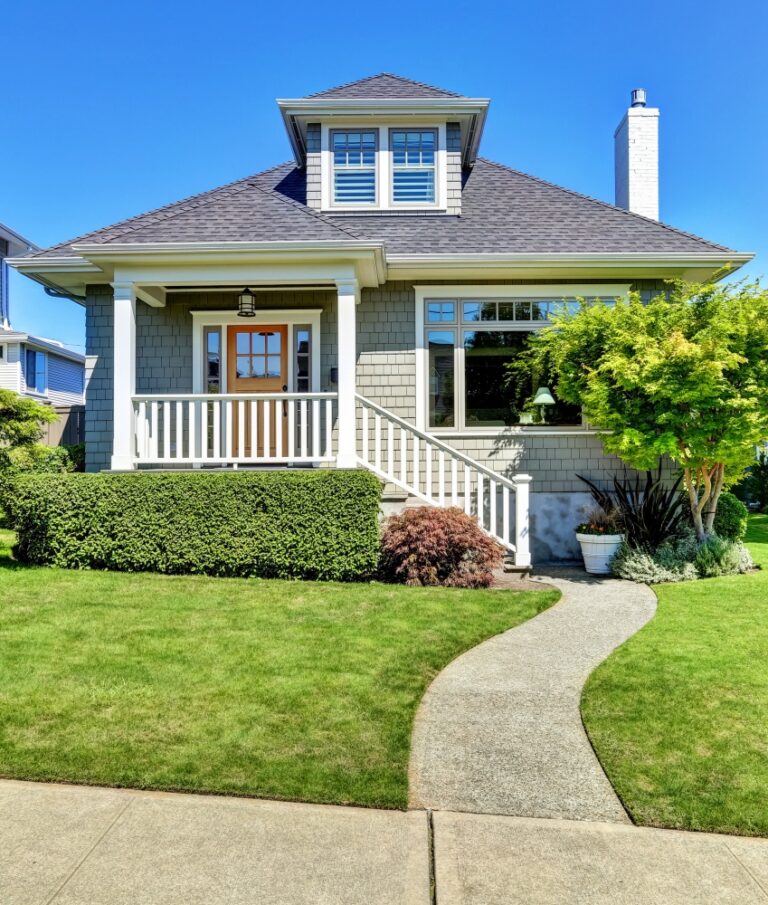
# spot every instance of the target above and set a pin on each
(679, 714)
(292, 690)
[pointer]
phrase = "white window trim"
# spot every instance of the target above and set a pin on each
(485, 291)
(293, 317)
(384, 200)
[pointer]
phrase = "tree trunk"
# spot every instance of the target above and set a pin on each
(696, 508)
(717, 488)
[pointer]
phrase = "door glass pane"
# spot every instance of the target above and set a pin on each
(273, 366)
(243, 366)
(441, 378)
(243, 343)
(273, 342)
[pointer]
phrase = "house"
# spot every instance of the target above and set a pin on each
(358, 305)
(43, 369)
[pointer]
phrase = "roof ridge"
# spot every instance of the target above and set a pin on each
(391, 75)
(125, 225)
(612, 207)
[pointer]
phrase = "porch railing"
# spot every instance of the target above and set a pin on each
(427, 468)
(231, 429)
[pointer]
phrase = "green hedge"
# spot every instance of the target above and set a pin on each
(278, 524)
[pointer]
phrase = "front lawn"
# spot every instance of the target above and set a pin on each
(679, 714)
(280, 689)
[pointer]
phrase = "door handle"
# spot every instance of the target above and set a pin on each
(285, 404)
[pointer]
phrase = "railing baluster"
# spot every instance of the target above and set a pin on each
(260, 417)
(291, 429)
(403, 455)
(303, 428)
(454, 482)
(228, 429)
(153, 452)
(480, 500)
(390, 449)
(141, 424)
(204, 430)
(467, 490)
(166, 430)
(179, 430)
(315, 428)
(216, 429)
(493, 527)
(240, 429)
(505, 514)
(328, 427)
(377, 441)
(429, 490)
(365, 436)
(191, 428)
(279, 441)
(416, 463)
(441, 476)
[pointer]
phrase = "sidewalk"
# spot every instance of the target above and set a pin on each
(70, 845)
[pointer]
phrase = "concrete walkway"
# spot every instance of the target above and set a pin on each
(499, 730)
(70, 845)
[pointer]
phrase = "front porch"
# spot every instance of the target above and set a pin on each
(280, 389)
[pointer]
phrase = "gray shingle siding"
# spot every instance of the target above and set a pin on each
(98, 346)
(454, 168)
(314, 167)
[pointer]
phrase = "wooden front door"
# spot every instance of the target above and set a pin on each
(257, 362)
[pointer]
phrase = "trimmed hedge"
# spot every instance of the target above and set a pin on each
(278, 524)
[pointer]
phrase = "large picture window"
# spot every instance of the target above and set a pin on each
(478, 373)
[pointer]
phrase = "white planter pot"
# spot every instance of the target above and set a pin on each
(597, 550)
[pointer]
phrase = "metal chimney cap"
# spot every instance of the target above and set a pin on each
(638, 97)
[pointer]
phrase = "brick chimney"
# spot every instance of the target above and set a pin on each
(636, 155)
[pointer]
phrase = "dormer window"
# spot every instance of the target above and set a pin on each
(413, 165)
(354, 166)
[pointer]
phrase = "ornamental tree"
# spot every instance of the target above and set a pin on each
(22, 419)
(684, 375)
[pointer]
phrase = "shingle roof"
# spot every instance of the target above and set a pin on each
(385, 84)
(503, 211)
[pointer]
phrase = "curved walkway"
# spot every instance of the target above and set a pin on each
(499, 730)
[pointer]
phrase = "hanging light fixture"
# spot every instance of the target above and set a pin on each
(246, 304)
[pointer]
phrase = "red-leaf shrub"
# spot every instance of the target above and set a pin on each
(429, 546)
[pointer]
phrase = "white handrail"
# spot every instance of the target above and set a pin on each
(182, 429)
(431, 470)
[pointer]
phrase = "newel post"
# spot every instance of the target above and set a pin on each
(123, 376)
(346, 456)
(522, 520)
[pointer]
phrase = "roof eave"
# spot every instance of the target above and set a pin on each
(293, 110)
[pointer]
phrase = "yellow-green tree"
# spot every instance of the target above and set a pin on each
(684, 375)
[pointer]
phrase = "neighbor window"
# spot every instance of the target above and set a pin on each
(478, 370)
(354, 167)
(413, 165)
(36, 371)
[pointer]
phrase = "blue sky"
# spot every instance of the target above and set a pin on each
(112, 109)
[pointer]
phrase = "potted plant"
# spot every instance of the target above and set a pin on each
(599, 537)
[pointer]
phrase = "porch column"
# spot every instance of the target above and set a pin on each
(123, 376)
(346, 456)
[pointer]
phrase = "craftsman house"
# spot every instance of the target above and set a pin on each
(358, 305)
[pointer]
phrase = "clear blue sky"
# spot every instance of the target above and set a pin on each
(111, 109)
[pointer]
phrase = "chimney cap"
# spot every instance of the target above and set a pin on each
(638, 97)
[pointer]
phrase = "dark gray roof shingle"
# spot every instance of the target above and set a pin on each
(503, 211)
(385, 85)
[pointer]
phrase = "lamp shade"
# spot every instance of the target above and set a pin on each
(543, 397)
(246, 304)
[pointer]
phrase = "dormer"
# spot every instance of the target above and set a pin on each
(385, 144)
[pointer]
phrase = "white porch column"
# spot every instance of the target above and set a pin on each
(124, 376)
(522, 520)
(347, 363)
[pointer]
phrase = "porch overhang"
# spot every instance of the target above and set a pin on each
(620, 265)
(155, 268)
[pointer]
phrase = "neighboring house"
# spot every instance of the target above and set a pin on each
(358, 306)
(40, 368)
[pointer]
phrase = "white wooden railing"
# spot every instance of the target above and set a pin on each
(232, 429)
(426, 467)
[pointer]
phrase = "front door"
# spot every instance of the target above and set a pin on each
(257, 362)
